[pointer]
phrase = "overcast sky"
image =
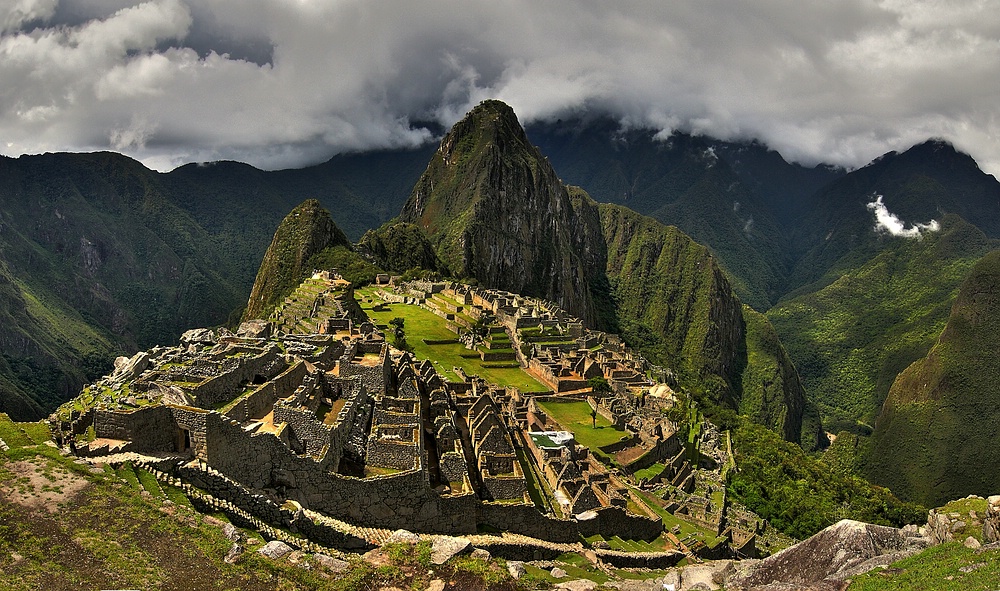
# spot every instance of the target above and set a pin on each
(281, 83)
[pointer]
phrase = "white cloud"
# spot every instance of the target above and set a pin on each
(282, 83)
(888, 222)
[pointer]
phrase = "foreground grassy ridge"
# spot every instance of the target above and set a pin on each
(949, 567)
(421, 324)
(67, 526)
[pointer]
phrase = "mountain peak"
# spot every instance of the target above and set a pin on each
(306, 231)
(491, 123)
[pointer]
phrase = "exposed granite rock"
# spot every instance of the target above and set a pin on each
(577, 585)
(826, 558)
(516, 568)
(558, 572)
(991, 521)
(330, 563)
(275, 549)
(445, 547)
(402, 536)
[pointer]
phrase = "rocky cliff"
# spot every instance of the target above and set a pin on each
(496, 211)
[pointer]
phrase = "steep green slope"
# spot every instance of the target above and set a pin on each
(679, 180)
(399, 247)
(800, 495)
(672, 300)
(675, 305)
(936, 436)
(96, 261)
(494, 210)
(771, 392)
(857, 328)
(306, 231)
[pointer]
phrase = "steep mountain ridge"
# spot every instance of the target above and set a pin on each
(97, 261)
(495, 211)
(936, 435)
(305, 233)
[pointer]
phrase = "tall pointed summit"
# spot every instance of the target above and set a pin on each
(495, 211)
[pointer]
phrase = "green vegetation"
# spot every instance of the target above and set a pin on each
(575, 416)
(399, 247)
(903, 294)
(948, 567)
(935, 438)
(799, 495)
(304, 233)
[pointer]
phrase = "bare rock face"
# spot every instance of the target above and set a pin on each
(939, 528)
(844, 549)
(991, 522)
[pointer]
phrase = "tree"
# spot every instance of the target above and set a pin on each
(593, 417)
(599, 386)
(398, 334)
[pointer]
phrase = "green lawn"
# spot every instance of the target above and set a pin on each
(574, 415)
(420, 324)
(937, 569)
(670, 520)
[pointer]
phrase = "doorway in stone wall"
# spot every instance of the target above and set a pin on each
(184, 440)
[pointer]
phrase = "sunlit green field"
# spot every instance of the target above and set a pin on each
(574, 415)
(420, 324)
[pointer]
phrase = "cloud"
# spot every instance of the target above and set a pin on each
(281, 83)
(888, 222)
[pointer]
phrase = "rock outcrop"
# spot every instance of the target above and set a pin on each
(824, 561)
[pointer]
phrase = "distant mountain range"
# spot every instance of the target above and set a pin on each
(100, 256)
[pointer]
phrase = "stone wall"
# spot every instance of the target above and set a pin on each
(150, 429)
(224, 387)
(615, 521)
(307, 430)
(527, 521)
(194, 421)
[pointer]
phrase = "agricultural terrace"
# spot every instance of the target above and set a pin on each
(574, 415)
(422, 325)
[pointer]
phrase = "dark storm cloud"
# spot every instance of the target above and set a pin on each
(283, 83)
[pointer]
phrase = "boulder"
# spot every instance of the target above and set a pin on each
(198, 335)
(991, 521)
(516, 569)
(481, 554)
(330, 563)
(972, 543)
(235, 551)
(938, 528)
(558, 573)
(826, 557)
(577, 585)
(444, 547)
(275, 549)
